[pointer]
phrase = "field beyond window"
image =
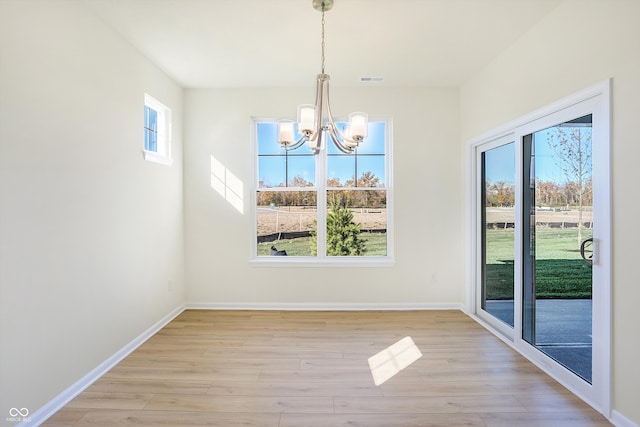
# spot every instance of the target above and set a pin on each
(560, 271)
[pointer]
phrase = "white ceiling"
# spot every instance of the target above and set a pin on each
(254, 43)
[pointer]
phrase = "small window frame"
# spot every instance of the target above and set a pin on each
(162, 155)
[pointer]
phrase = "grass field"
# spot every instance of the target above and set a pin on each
(560, 271)
(375, 245)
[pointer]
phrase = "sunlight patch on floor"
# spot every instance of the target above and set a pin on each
(393, 359)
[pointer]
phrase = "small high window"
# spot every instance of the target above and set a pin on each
(157, 131)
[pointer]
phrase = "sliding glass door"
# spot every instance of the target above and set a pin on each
(498, 231)
(541, 240)
(558, 221)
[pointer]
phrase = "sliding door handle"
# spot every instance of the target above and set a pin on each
(586, 250)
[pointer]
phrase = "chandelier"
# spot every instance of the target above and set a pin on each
(315, 122)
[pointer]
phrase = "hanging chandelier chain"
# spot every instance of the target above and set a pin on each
(322, 45)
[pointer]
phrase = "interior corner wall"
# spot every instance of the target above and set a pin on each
(579, 44)
(428, 212)
(91, 240)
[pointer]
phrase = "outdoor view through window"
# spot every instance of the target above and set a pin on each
(344, 195)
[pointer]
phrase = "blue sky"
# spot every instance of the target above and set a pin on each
(271, 159)
(500, 161)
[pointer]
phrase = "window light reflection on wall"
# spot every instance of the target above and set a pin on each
(229, 186)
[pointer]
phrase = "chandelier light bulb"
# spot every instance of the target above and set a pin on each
(307, 118)
(358, 125)
(285, 132)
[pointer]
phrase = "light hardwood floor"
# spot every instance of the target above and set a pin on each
(302, 369)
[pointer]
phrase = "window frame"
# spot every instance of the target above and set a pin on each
(320, 187)
(162, 155)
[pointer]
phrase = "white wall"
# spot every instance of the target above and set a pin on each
(581, 43)
(90, 233)
(428, 201)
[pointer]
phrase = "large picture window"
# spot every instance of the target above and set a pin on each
(329, 207)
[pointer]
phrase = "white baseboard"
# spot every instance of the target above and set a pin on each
(44, 413)
(323, 306)
(619, 420)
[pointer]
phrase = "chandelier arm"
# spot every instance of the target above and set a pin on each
(341, 138)
(336, 140)
(319, 90)
(330, 127)
(316, 136)
(319, 104)
(296, 144)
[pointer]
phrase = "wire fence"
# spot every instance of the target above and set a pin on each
(559, 224)
(299, 221)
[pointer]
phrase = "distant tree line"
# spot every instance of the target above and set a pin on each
(548, 193)
(360, 193)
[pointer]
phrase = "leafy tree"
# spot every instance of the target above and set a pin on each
(299, 181)
(572, 146)
(368, 179)
(500, 193)
(343, 234)
(334, 182)
(548, 193)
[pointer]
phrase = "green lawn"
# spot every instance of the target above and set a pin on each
(375, 245)
(560, 271)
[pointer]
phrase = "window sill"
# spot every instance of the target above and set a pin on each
(350, 262)
(157, 158)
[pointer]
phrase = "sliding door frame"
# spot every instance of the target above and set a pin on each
(595, 100)
(477, 295)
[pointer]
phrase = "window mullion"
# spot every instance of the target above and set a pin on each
(321, 185)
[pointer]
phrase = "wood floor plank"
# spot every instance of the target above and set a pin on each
(241, 363)
(66, 417)
(149, 386)
(242, 404)
(427, 405)
(171, 373)
(334, 364)
(249, 389)
(497, 387)
(305, 369)
(382, 420)
(306, 376)
(271, 352)
(98, 400)
(545, 419)
(481, 373)
(146, 418)
(566, 402)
